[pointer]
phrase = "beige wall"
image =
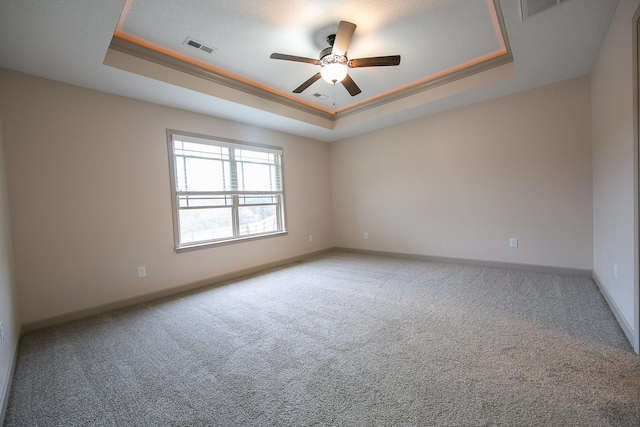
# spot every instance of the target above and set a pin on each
(614, 229)
(461, 183)
(8, 305)
(88, 181)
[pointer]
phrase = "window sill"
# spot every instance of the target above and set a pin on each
(208, 245)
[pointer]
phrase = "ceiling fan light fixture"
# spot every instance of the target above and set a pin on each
(334, 62)
(334, 68)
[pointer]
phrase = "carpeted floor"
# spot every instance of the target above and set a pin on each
(342, 339)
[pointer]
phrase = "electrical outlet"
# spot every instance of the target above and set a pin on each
(142, 272)
(366, 235)
(1, 333)
(513, 243)
(310, 238)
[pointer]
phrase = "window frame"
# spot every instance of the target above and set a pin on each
(172, 136)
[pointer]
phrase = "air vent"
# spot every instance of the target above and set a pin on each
(194, 44)
(531, 7)
(320, 95)
(198, 45)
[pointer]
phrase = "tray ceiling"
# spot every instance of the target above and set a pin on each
(435, 40)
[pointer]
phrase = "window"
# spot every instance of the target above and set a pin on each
(224, 190)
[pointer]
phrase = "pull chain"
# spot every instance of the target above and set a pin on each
(335, 110)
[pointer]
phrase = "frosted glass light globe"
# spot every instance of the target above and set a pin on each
(334, 68)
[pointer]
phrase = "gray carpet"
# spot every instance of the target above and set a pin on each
(341, 339)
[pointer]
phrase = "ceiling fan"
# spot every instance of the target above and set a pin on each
(334, 62)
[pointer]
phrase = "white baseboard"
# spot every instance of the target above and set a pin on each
(497, 264)
(6, 387)
(624, 324)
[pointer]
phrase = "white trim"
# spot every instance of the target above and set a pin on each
(636, 184)
(496, 264)
(220, 242)
(6, 387)
(624, 324)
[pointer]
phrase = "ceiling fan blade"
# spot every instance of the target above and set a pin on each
(350, 86)
(306, 84)
(294, 58)
(378, 61)
(343, 37)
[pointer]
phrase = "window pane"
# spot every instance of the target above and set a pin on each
(256, 177)
(255, 156)
(257, 219)
(202, 175)
(198, 225)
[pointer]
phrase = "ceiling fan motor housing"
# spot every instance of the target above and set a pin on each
(331, 38)
(324, 52)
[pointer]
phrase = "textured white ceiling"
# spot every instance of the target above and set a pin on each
(66, 40)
